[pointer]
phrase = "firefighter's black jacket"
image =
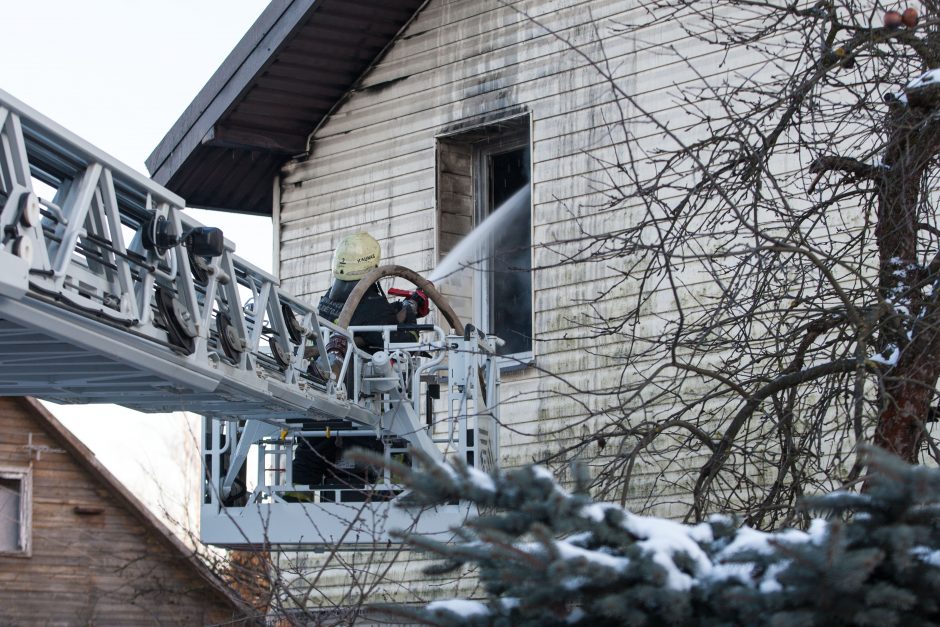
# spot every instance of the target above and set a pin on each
(374, 308)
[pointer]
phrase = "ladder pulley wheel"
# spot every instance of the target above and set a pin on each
(228, 336)
(198, 267)
(281, 356)
(179, 325)
(294, 329)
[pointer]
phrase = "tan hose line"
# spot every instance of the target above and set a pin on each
(409, 275)
(420, 282)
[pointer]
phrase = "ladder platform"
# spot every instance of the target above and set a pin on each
(293, 526)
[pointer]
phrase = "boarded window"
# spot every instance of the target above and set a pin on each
(14, 511)
(484, 184)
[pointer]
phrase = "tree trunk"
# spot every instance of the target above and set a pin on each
(907, 395)
(909, 386)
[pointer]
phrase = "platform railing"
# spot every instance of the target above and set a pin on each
(241, 510)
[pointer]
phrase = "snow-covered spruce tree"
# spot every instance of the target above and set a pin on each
(546, 557)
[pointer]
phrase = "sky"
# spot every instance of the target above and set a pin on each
(118, 73)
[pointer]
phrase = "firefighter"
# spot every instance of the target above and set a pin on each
(354, 257)
(318, 462)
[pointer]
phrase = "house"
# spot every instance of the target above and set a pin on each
(416, 120)
(76, 547)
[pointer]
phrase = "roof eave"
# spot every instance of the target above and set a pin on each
(197, 124)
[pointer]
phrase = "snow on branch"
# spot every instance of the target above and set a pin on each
(546, 556)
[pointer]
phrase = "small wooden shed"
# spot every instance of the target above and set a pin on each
(76, 547)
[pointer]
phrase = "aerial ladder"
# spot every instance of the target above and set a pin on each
(111, 293)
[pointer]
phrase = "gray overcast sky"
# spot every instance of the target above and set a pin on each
(119, 73)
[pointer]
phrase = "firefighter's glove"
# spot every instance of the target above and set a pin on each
(419, 303)
(337, 345)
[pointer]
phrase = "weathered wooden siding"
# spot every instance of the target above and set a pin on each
(378, 165)
(455, 209)
(92, 561)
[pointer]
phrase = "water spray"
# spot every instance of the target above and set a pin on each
(467, 253)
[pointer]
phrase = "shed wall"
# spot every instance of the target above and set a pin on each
(92, 561)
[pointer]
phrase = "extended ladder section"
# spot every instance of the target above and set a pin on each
(110, 293)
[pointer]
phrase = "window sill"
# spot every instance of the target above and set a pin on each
(17, 554)
(515, 363)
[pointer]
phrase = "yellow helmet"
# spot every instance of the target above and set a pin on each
(354, 256)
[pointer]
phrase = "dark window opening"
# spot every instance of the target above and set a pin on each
(482, 168)
(510, 267)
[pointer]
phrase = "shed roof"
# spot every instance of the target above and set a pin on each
(282, 79)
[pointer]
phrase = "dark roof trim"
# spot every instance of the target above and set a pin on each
(230, 81)
(287, 75)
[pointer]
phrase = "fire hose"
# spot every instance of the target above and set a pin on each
(419, 282)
